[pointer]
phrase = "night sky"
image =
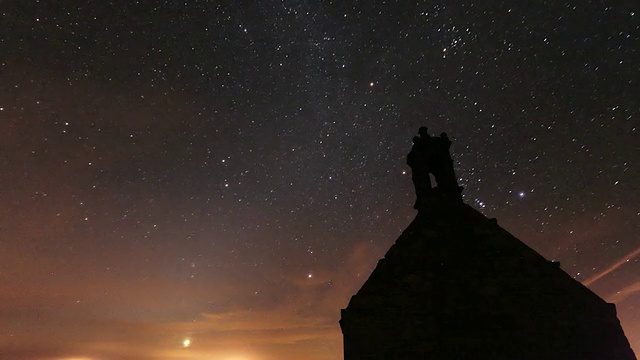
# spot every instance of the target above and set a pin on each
(198, 180)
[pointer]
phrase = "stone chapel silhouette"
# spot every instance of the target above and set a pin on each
(455, 285)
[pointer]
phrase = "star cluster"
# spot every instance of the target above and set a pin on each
(191, 179)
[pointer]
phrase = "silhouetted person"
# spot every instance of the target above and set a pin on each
(418, 162)
(423, 132)
(442, 163)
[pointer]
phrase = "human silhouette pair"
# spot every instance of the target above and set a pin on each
(430, 155)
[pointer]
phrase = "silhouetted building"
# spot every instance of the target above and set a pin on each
(455, 285)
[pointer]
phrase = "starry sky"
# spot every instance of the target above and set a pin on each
(214, 180)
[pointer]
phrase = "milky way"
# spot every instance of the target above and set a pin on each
(191, 180)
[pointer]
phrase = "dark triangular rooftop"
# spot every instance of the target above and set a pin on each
(455, 285)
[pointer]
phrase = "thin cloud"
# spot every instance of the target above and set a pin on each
(613, 267)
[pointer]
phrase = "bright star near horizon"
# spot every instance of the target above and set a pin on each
(186, 343)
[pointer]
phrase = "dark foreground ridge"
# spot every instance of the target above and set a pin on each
(455, 285)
